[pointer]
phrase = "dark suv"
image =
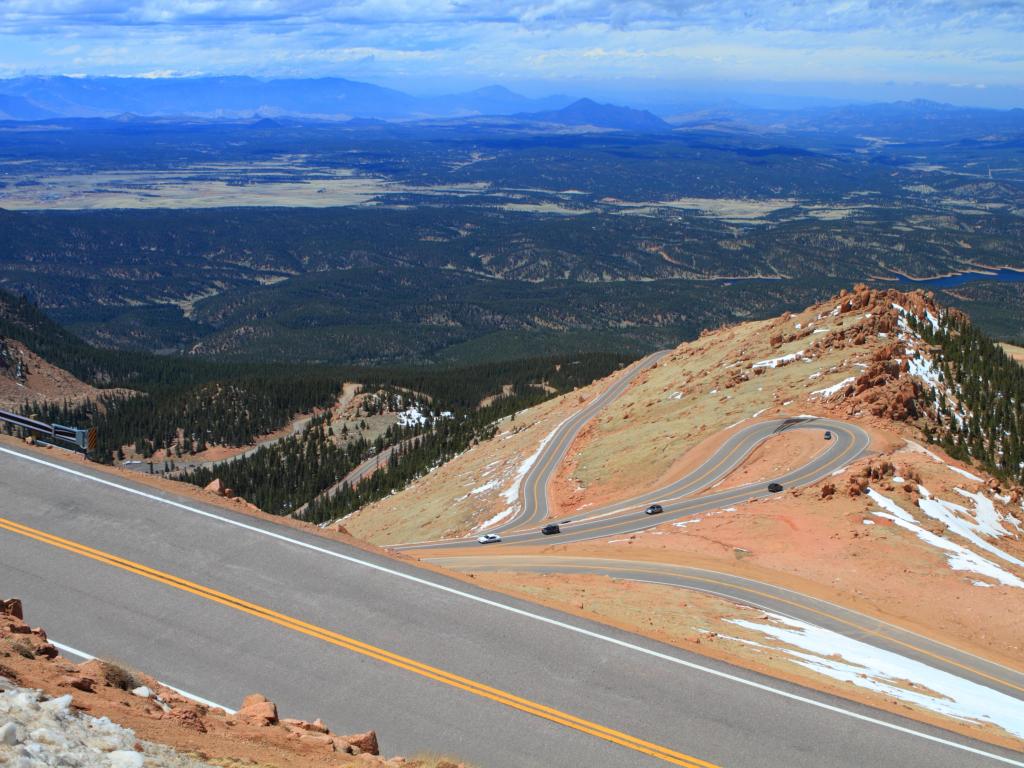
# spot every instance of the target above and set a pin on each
(550, 528)
(654, 509)
(774, 487)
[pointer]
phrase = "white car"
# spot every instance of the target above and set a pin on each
(489, 538)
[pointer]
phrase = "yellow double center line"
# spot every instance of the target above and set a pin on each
(373, 652)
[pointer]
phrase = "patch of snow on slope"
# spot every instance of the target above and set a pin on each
(918, 448)
(829, 391)
(851, 661)
(890, 506)
(775, 361)
(411, 417)
(922, 368)
(494, 520)
(511, 494)
(984, 520)
(965, 473)
(988, 520)
(488, 486)
(959, 557)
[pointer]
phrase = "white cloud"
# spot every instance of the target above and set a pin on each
(965, 41)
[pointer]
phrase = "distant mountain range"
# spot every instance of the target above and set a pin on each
(901, 121)
(50, 98)
(589, 112)
(37, 98)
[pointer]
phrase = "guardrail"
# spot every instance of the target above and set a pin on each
(84, 439)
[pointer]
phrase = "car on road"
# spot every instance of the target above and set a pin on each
(551, 528)
(654, 509)
(489, 538)
(774, 487)
(828, 435)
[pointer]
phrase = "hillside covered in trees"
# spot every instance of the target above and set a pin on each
(978, 397)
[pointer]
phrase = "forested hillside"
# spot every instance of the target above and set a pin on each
(183, 406)
(978, 396)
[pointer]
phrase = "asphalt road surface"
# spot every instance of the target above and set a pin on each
(220, 604)
(768, 597)
(680, 499)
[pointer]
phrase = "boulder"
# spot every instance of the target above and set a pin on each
(12, 607)
(216, 486)
(189, 717)
(366, 742)
(258, 710)
(81, 683)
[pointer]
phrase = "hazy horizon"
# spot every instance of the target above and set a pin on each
(645, 53)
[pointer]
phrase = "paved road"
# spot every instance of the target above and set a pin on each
(769, 597)
(679, 499)
(220, 605)
(687, 497)
(533, 497)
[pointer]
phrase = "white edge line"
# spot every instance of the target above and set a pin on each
(89, 657)
(527, 614)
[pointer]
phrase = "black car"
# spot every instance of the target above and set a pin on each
(550, 528)
(828, 435)
(654, 509)
(774, 487)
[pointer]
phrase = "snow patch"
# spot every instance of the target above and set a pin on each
(959, 557)
(965, 473)
(488, 486)
(866, 666)
(776, 361)
(829, 391)
(511, 494)
(922, 368)
(411, 417)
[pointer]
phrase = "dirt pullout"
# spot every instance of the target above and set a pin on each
(254, 735)
(716, 628)
(29, 378)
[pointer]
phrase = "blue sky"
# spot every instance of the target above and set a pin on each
(967, 51)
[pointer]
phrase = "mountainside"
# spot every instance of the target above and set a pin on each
(924, 529)
(26, 378)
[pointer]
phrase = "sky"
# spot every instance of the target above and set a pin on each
(962, 51)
